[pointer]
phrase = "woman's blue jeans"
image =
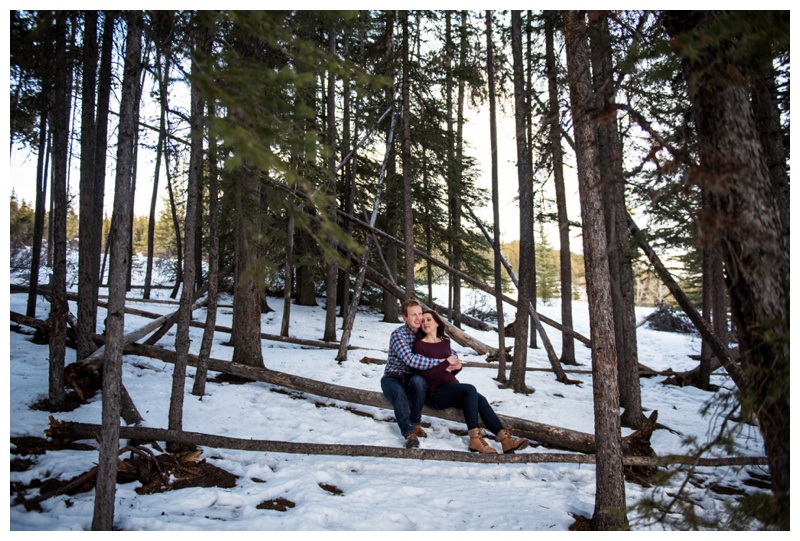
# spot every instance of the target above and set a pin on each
(407, 395)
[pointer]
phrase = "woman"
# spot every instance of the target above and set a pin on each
(445, 391)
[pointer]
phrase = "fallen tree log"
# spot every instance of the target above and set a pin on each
(467, 278)
(560, 438)
(71, 431)
(469, 364)
(21, 319)
(454, 332)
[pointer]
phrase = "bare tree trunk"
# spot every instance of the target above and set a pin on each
(526, 246)
(498, 278)
(347, 327)
(458, 181)
(162, 75)
(343, 294)
(249, 278)
(87, 307)
(58, 239)
(408, 209)
(101, 122)
(199, 387)
(189, 230)
(287, 275)
(609, 510)
(768, 123)
(38, 216)
(450, 173)
(567, 341)
(612, 179)
(115, 322)
(528, 76)
(332, 268)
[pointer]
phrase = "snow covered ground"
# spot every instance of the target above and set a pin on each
(377, 493)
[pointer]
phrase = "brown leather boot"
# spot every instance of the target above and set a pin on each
(420, 432)
(509, 442)
(411, 441)
(477, 444)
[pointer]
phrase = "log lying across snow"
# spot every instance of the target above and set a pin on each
(636, 443)
(72, 431)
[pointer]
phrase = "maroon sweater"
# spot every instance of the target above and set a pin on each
(438, 375)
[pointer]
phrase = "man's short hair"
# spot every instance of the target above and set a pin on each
(408, 303)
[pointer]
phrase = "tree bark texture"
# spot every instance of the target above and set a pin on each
(87, 307)
(118, 272)
(526, 246)
(498, 284)
(557, 155)
(249, 276)
(609, 511)
(745, 218)
(58, 238)
(618, 240)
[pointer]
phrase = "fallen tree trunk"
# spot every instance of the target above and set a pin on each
(560, 438)
(468, 364)
(457, 334)
(42, 326)
(719, 349)
(467, 278)
(72, 431)
(284, 339)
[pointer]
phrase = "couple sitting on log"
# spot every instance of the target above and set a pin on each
(421, 368)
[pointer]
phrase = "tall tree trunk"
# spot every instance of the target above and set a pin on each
(173, 205)
(498, 278)
(348, 183)
(189, 230)
(458, 181)
(405, 143)
(332, 266)
(613, 183)
(767, 119)
(162, 75)
(247, 290)
(529, 153)
(391, 309)
(103, 518)
(450, 172)
(101, 123)
(526, 247)
(135, 166)
(287, 275)
(38, 215)
(567, 341)
(745, 218)
(609, 510)
(87, 307)
(199, 386)
(58, 239)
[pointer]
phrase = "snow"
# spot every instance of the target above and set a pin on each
(377, 493)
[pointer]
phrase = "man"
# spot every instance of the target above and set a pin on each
(404, 388)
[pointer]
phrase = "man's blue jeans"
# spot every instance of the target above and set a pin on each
(407, 395)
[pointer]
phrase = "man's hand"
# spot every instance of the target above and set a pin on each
(455, 363)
